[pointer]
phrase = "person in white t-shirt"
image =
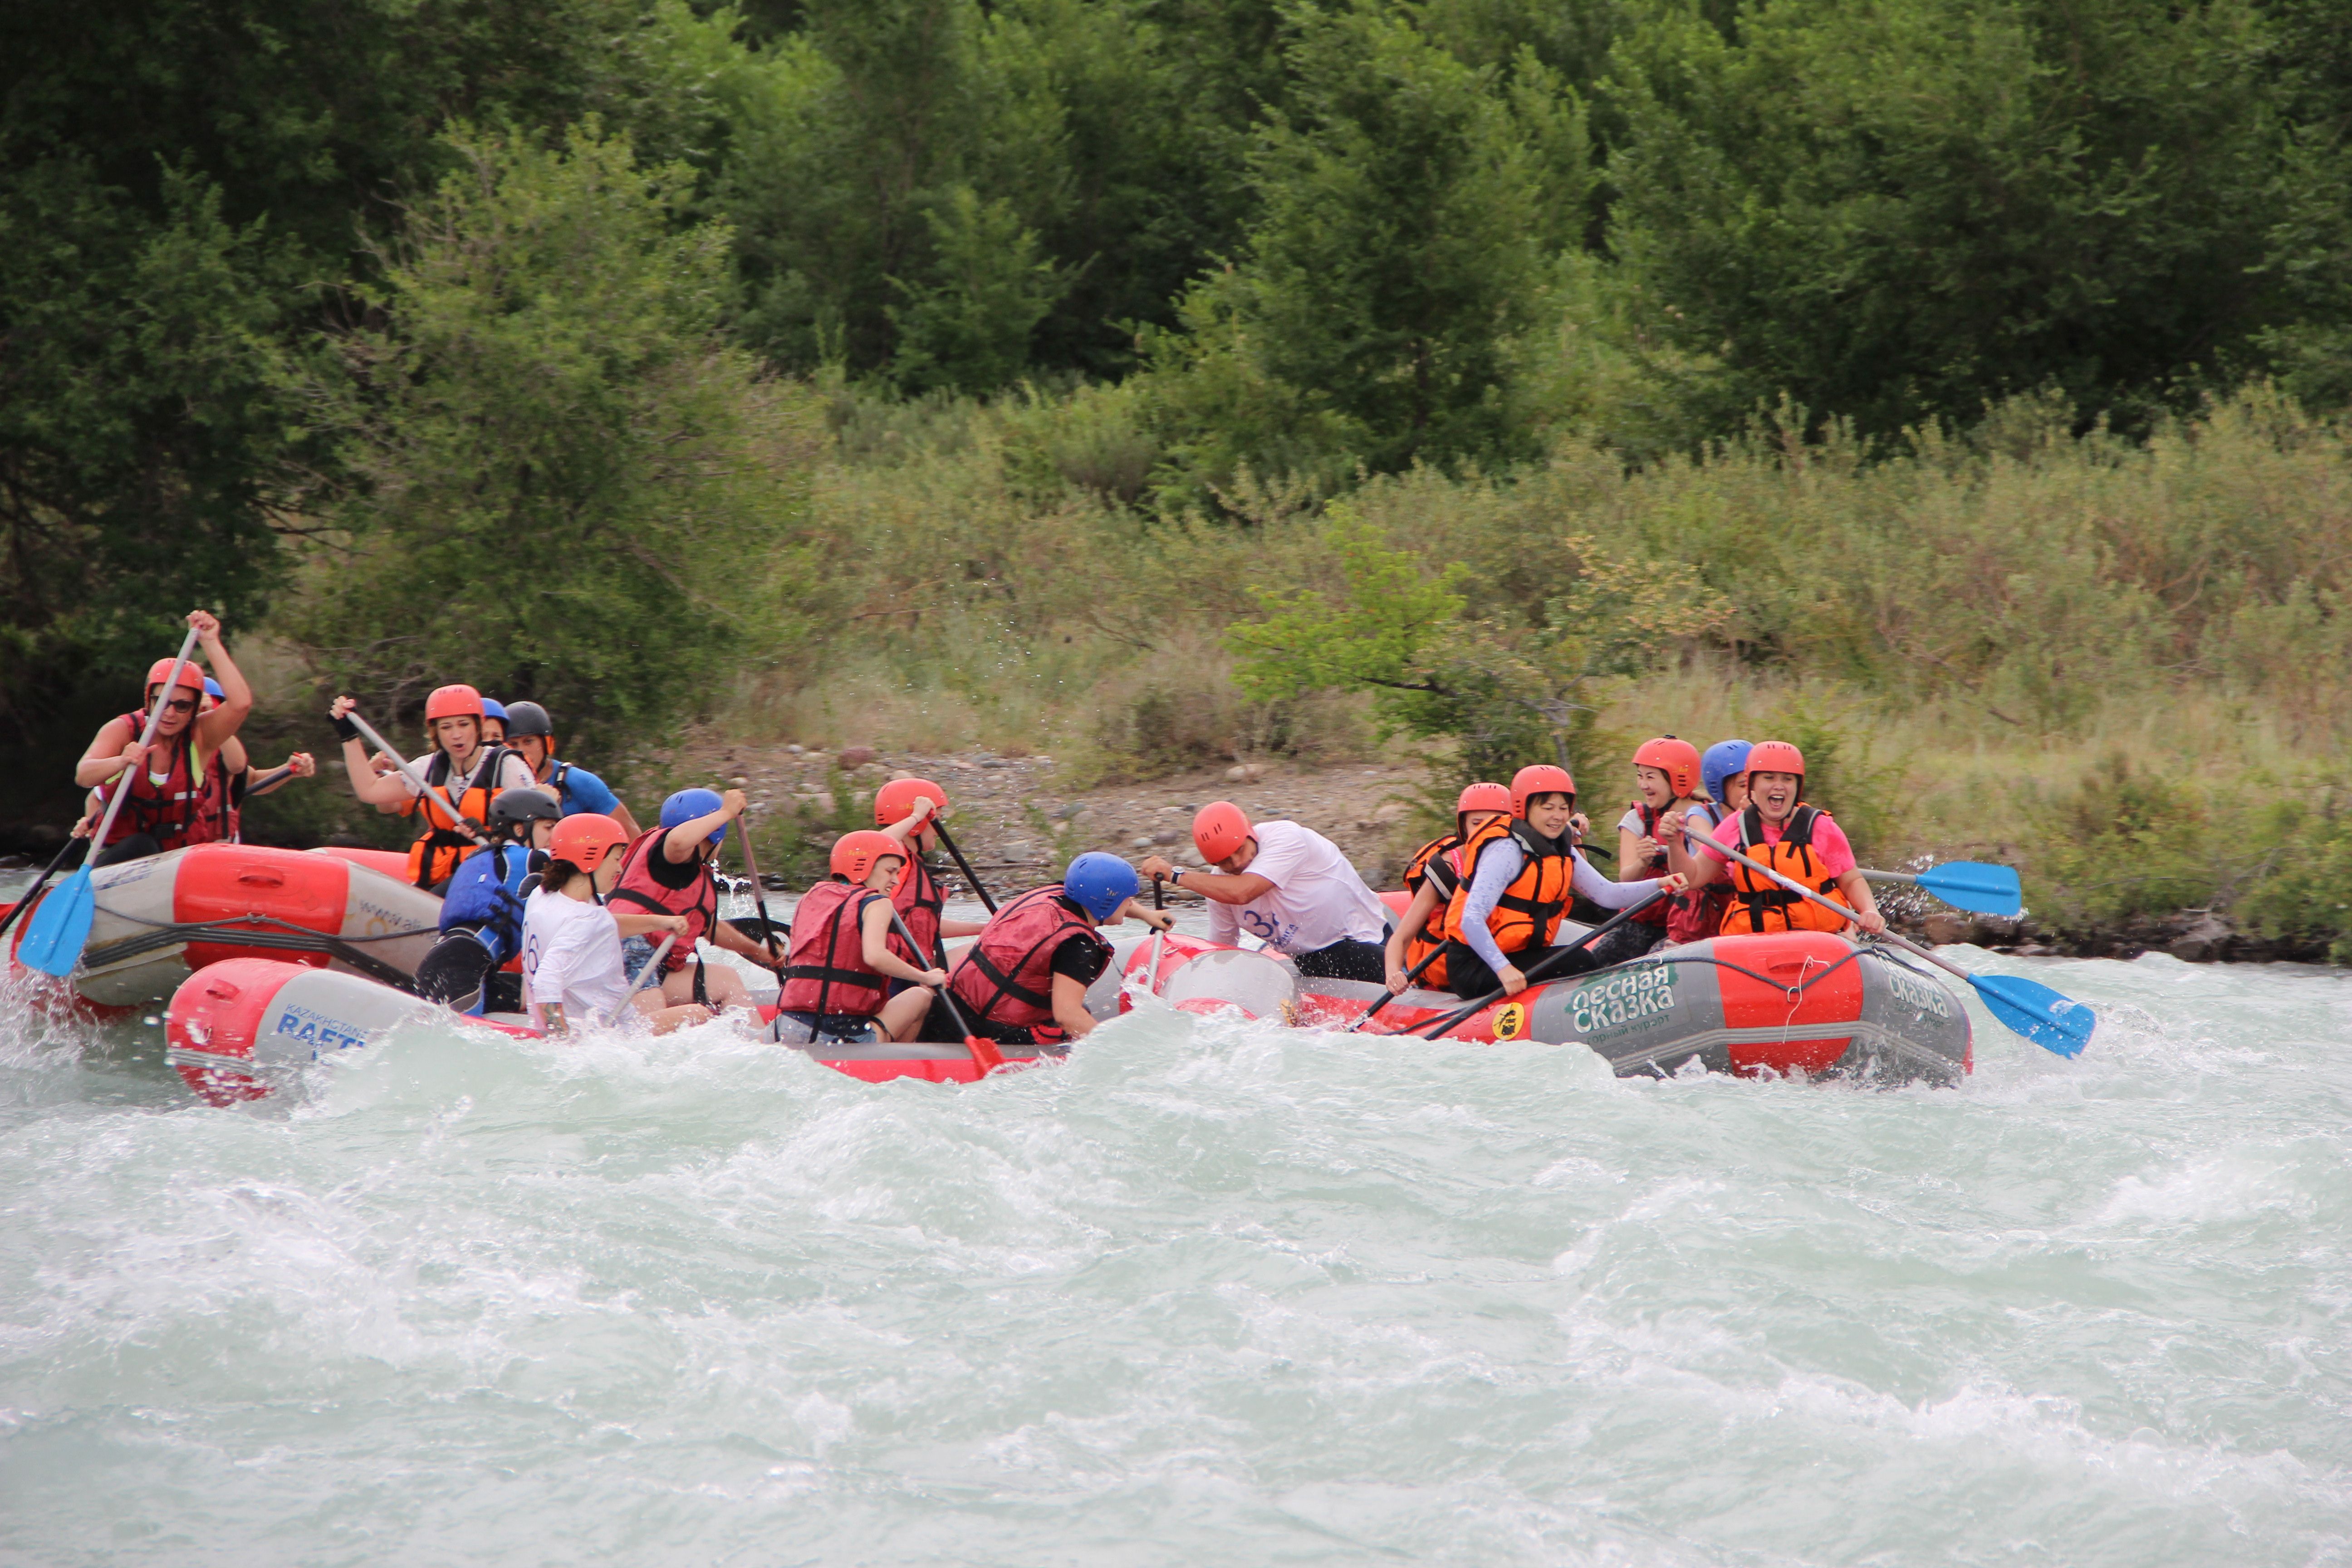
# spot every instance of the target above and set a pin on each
(572, 969)
(1290, 886)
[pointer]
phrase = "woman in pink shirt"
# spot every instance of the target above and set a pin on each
(1800, 841)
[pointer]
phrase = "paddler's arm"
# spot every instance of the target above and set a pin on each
(727, 938)
(620, 813)
(113, 753)
(1216, 886)
(1416, 915)
(550, 1019)
(214, 728)
(1070, 1007)
(385, 792)
(906, 826)
(874, 941)
(1856, 889)
(646, 924)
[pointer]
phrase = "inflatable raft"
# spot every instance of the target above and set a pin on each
(1794, 1004)
(161, 919)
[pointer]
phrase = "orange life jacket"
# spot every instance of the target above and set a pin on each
(1439, 860)
(171, 811)
(828, 973)
(698, 900)
(1758, 903)
(1006, 977)
(437, 850)
(1528, 915)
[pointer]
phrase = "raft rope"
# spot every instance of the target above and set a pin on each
(251, 930)
(1796, 993)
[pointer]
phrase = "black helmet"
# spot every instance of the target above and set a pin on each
(528, 719)
(516, 809)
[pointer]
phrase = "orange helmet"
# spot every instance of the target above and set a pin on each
(1481, 797)
(895, 801)
(191, 674)
(855, 855)
(1540, 778)
(1678, 760)
(586, 840)
(1778, 757)
(455, 702)
(1219, 830)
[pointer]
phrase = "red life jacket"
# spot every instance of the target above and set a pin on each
(828, 973)
(1699, 915)
(1662, 913)
(170, 811)
(697, 901)
(220, 816)
(1006, 977)
(919, 899)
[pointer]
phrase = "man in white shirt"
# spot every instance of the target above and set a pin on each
(1290, 886)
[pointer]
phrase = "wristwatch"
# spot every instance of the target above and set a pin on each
(1175, 878)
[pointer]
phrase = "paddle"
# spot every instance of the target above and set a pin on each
(465, 825)
(54, 941)
(1542, 967)
(1159, 939)
(985, 1054)
(38, 883)
(1965, 885)
(638, 980)
(2054, 1022)
(759, 893)
(1388, 996)
(963, 865)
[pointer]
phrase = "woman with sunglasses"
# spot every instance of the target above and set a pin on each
(166, 777)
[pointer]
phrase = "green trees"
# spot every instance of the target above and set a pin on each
(556, 475)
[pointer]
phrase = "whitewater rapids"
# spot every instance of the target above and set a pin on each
(1212, 1292)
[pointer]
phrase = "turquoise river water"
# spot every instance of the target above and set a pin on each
(1212, 1292)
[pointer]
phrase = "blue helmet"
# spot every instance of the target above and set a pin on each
(1099, 883)
(688, 804)
(1723, 759)
(213, 689)
(494, 709)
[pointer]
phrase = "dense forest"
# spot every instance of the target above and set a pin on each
(1954, 380)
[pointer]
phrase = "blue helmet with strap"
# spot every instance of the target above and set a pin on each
(688, 804)
(1099, 883)
(494, 709)
(1723, 760)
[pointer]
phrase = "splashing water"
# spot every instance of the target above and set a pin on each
(1212, 1292)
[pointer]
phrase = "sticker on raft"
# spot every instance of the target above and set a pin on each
(1916, 992)
(1628, 999)
(1511, 1022)
(318, 1031)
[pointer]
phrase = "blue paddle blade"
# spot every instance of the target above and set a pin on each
(1973, 886)
(53, 941)
(2054, 1023)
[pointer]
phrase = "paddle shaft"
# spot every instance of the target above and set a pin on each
(759, 893)
(1386, 997)
(146, 737)
(985, 1054)
(412, 776)
(1543, 967)
(38, 883)
(978, 887)
(1158, 936)
(1802, 891)
(638, 980)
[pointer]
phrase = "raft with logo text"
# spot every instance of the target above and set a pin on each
(1792, 1003)
(161, 917)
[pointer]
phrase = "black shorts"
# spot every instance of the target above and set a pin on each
(1468, 976)
(940, 1029)
(1346, 959)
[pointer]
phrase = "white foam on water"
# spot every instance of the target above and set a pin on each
(1212, 1290)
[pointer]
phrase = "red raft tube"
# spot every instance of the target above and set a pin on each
(1790, 1003)
(161, 919)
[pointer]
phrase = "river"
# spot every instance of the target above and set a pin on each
(1211, 1292)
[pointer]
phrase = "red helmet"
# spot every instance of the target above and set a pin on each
(1483, 797)
(455, 702)
(1540, 778)
(1775, 757)
(586, 840)
(855, 855)
(1678, 760)
(1219, 830)
(191, 674)
(895, 801)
